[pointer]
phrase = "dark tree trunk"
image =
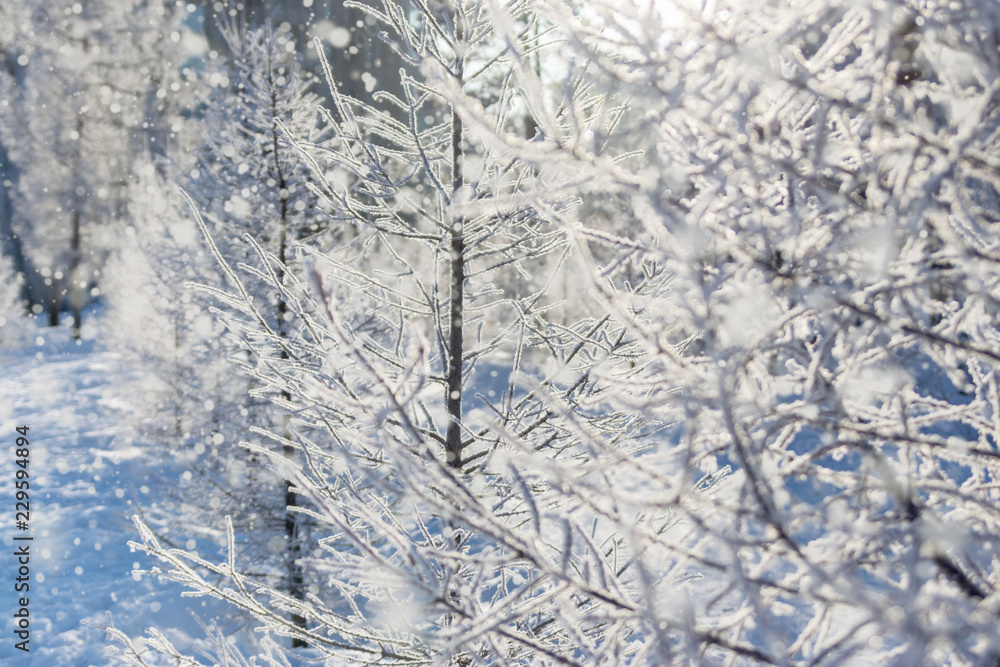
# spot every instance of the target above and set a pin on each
(53, 306)
(293, 529)
(75, 290)
(456, 342)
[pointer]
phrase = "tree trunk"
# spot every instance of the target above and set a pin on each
(75, 290)
(293, 529)
(75, 244)
(53, 306)
(456, 343)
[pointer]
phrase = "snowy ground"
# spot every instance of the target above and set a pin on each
(82, 483)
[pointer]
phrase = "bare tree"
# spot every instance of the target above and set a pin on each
(252, 189)
(774, 439)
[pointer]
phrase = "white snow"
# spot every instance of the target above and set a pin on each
(84, 481)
